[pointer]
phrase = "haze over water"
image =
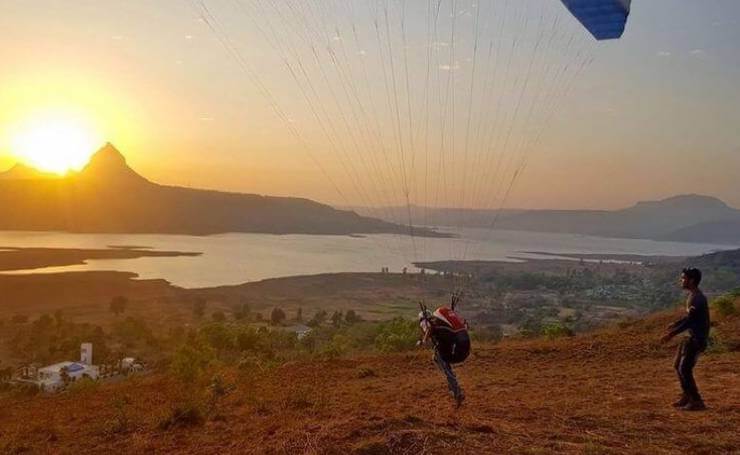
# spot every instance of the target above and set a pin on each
(238, 258)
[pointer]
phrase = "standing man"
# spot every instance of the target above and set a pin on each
(696, 323)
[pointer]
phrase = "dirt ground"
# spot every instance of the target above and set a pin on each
(608, 392)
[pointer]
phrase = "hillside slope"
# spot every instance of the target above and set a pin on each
(606, 392)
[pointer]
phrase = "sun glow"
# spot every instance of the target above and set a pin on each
(55, 142)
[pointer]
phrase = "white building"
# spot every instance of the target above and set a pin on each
(300, 330)
(51, 378)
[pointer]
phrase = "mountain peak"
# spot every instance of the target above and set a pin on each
(108, 163)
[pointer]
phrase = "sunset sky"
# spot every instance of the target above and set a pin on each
(656, 114)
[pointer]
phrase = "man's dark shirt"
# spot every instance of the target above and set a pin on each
(697, 319)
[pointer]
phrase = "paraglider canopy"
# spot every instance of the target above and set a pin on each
(605, 19)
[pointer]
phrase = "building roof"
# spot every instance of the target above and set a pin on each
(72, 367)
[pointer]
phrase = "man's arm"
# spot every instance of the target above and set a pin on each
(425, 338)
(681, 325)
(425, 332)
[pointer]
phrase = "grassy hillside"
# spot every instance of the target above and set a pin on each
(603, 392)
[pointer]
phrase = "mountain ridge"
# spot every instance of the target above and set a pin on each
(109, 196)
(687, 218)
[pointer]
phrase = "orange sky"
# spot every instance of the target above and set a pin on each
(656, 114)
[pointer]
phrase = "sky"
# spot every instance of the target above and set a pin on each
(206, 98)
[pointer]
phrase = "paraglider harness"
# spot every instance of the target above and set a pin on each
(448, 331)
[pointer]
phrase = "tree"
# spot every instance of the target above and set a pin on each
(218, 316)
(299, 315)
(59, 318)
(199, 307)
(242, 311)
(118, 305)
(336, 318)
(318, 318)
(351, 317)
(277, 316)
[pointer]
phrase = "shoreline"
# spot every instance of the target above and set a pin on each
(20, 259)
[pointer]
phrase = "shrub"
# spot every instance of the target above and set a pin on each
(352, 317)
(489, 334)
(531, 327)
(247, 340)
(366, 372)
(397, 335)
(338, 346)
(724, 305)
(185, 414)
(217, 389)
(218, 316)
(191, 360)
(249, 366)
(199, 307)
(118, 305)
(716, 343)
(218, 336)
(120, 422)
(83, 385)
(298, 399)
(556, 330)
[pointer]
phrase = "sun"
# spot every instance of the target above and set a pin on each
(55, 142)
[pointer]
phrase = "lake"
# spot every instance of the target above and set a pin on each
(238, 258)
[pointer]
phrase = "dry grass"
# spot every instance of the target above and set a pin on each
(603, 393)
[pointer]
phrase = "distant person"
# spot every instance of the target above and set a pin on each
(448, 333)
(697, 324)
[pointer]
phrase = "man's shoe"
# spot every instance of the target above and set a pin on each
(694, 405)
(683, 401)
(459, 398)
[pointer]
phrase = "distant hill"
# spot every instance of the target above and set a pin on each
(109, 196)
(661, 220)
(23, 172)
(718, 231)
(686, 218)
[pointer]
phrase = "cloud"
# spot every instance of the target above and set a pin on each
(697, 52)
(664, 54)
